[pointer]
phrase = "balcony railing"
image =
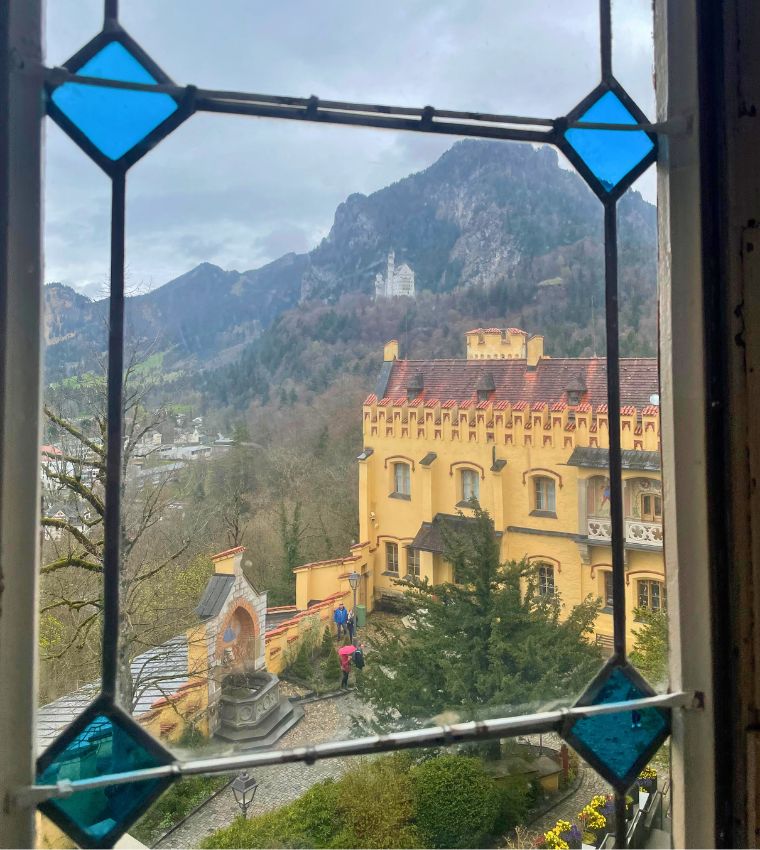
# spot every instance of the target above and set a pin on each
(636, 531)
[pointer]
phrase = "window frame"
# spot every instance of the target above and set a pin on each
(412, 562)
(391, 557)
(652, 515)
(405, 492)
(649, 584)
(543, 496)
(607, 597)
(546, 579)
(684, 34)
(473, 476)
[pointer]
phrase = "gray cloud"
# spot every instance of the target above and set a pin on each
(240, 192)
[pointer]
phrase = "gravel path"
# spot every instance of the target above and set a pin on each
(324, 720)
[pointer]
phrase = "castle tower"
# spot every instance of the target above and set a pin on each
(397, 281)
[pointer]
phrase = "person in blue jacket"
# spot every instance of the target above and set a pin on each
(340, 616)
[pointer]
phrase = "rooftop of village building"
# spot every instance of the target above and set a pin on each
(522, 375)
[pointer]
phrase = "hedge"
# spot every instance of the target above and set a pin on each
(389, 802)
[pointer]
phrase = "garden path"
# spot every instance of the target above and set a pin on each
(591, 784)
(324, 720)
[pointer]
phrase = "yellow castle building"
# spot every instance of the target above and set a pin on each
(525, 435)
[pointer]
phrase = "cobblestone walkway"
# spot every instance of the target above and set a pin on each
(325, 720)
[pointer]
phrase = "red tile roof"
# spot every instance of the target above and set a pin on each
(457, 379)
(514, 331)
(227, 552)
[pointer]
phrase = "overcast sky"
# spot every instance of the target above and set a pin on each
(240, 192)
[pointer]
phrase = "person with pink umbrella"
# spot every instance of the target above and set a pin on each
(345, 654)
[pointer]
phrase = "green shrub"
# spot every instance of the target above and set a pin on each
(328, 644)
(447, 801)
(310, 821)
(516, 797)
(331, 667)
(174, 805)
(301, 666)
(375, 804)
(456, 804)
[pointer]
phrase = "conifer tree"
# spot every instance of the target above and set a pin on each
(488, 644)
(650, 649)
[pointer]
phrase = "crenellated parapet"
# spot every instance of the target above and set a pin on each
(503, 423)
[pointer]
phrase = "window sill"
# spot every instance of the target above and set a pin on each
(472, 504)
(546, 514)
(393, 573)
(606, 610)
(400, 496)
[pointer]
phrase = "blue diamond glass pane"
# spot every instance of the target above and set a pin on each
(114, 120)
(609, 154)
(619, 740)
(102, 747)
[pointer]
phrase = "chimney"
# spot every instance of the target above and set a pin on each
(229, 562)
(535, 350)
(390, 351)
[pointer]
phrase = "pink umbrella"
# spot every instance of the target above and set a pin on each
(347, 650)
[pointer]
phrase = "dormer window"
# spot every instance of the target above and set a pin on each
(485, 386)
(576, 389)
(415, 386)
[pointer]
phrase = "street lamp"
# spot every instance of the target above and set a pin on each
(244, 789)
(353, 579)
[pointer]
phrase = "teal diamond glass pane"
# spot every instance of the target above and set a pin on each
(609, 154)
(618, 745)
(114, 120)
(97, 817)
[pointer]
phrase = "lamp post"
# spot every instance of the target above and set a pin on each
(244, 790)
(353, 579)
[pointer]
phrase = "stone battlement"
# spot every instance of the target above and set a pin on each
(503, 423)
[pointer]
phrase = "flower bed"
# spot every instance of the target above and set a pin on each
(595, 820)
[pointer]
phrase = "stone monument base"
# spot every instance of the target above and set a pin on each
(252, 713)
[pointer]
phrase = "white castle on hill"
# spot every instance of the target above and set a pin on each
(397, 281)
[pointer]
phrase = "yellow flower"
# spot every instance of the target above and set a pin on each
(591, 817)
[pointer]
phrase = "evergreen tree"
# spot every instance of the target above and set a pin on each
(650, 649)
(331, 665)
(292, 531)
(490, 640)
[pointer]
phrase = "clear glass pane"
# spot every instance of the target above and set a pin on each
(252, 393)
